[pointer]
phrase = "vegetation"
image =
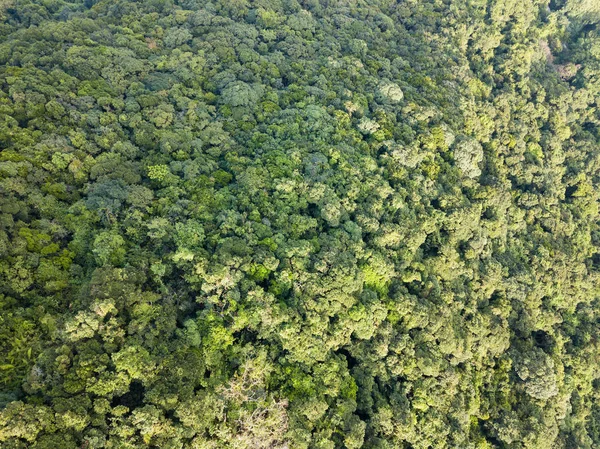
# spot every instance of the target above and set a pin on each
(310, 224)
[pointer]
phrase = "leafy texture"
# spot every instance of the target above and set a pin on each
(299, 224)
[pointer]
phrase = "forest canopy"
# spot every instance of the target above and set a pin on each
(312, 224)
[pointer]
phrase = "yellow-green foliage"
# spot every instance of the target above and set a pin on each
(299, 224)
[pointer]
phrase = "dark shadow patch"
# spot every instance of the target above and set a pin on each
(543, 340)
(133, 399)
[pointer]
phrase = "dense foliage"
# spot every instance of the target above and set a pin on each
(299, 224)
